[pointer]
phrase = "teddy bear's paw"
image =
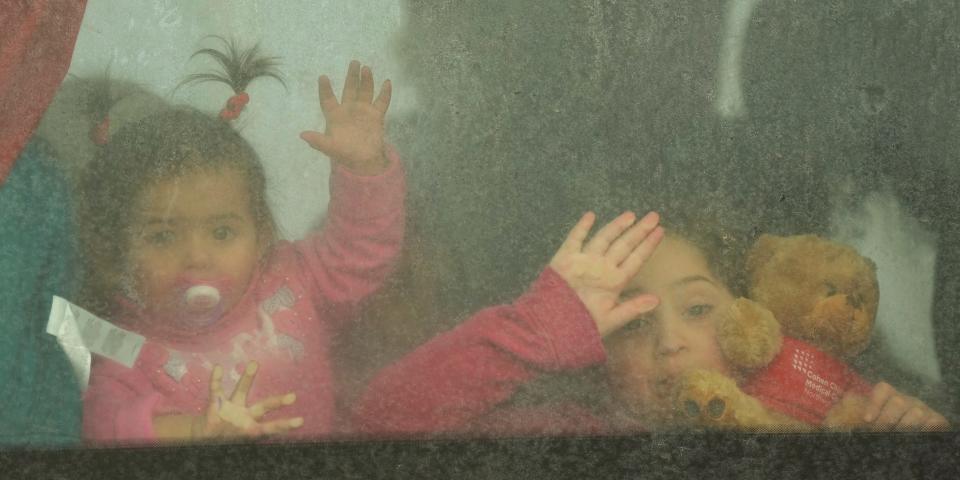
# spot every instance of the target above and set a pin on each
(707, 399)
(749, 334)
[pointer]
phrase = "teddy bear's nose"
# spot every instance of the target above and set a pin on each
(855, 300)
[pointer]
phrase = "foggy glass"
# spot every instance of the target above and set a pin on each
(513, 118)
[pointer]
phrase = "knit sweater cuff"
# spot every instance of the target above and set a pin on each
(563, 320)
(367, 197)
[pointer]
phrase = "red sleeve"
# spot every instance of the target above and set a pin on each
(36, 44)
(463, 374)
(119, 405)
(361, 238)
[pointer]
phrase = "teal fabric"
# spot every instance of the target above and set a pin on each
(40, 403)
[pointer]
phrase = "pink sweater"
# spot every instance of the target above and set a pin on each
(297, 301)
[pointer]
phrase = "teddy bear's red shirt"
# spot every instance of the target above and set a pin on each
(804, 382)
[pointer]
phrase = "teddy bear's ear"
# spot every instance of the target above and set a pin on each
(762, 251)
(871, 264)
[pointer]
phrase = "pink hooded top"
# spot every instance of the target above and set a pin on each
(298, 300)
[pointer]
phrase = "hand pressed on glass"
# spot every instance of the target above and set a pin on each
(354, 129)
(599, 269)
(888, 409)
(231, 417)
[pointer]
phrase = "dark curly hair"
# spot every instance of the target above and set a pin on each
(168, 144)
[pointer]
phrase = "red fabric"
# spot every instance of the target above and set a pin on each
(234, 106)
(804, 382)
(36, 43)
(452, 382)
(100, 134)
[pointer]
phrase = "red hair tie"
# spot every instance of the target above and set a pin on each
(234, 106)
(100, 133)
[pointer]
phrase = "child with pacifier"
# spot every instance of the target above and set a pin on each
(181, 248)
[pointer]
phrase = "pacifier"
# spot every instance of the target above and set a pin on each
(200, 301)
(200, 298)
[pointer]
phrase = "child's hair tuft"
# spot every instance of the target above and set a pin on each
(239, 67)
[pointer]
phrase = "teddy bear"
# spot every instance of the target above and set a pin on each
(811, 308)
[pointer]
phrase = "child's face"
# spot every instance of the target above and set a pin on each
(680, 334)
(193, 229)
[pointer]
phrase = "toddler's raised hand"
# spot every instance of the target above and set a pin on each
(599, 270)
(354, 125)
(231, 417)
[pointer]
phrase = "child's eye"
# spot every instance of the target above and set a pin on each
(639, 324)
(161, 239)
(699, 310)
(223, 233)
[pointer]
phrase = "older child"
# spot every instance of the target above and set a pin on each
(462, 380)
(556, 326)
(181, 247)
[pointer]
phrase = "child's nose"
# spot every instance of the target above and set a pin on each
(198, 253)
(670, 338)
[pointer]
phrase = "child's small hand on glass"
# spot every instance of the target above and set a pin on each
(599, 270)
(354, 125)
(231, 417)
(888, 409)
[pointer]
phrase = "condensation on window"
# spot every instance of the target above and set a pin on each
(512, 119)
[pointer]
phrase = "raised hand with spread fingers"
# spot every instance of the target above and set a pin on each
(353, 136)
(231, 417)
(599, 269)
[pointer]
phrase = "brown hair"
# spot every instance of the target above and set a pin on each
(165, 145)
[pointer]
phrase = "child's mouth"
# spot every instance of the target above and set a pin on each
(663, 387)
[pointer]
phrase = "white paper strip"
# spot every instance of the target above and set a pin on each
(81, 333)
